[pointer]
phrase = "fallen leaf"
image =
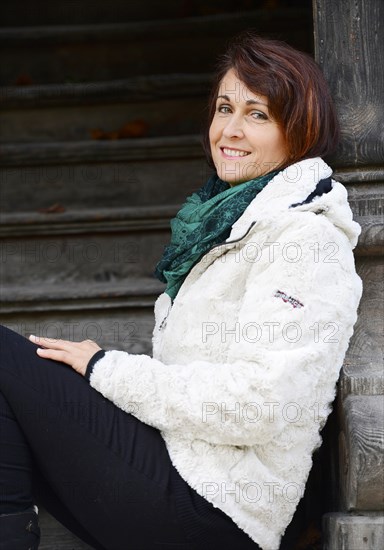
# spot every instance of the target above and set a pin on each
(133, 129)
(23, 79)
(55, 208)
(97, 133)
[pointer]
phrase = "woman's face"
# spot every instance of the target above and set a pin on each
(245, 141)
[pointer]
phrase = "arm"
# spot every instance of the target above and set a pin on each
(250, 398)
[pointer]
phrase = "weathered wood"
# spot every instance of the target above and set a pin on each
(353, 532)
(134, 149)
(55, 536)
(135, 292)
(82, 212)
(113, 325)
(44, 12)
(157, 118)
(349, 45)
(362, 453)
(363, 372)
(84, 175)
(367, 204)
(136, 89)
(91, 220)
(166, 105)
(362, 174)
(349, 42)
(73, 259)
(68, 53)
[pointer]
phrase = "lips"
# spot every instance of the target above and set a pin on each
(233, 153)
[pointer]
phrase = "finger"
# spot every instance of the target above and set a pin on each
(55, 355)
(51, 343)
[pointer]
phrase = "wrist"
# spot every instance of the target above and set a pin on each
(98, 355)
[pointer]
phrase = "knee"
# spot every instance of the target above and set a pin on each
(10, 338)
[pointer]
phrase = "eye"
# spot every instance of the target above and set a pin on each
(224, 109)
(259, 116)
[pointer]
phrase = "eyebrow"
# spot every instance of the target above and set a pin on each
(248, 102)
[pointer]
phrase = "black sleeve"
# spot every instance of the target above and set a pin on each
(98, 355)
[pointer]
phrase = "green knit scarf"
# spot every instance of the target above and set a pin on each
(204, 220)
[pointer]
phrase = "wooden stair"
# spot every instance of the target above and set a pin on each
(84, 220)
(101, 107)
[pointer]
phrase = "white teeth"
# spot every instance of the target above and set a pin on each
(234, 153)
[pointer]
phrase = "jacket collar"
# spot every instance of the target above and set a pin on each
(291, 187)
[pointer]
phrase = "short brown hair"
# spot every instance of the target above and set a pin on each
(298, 95)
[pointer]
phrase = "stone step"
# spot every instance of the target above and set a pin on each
(100, 174)
(83, 53)
(117, 316)
(147, 106)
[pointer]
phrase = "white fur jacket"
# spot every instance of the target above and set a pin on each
(246, 359)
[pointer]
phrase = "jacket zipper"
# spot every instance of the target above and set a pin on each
(164, 321)
(234, 241)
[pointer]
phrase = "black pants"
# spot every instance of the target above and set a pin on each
(101, 472)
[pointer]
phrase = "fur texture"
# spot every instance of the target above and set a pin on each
(241, 381)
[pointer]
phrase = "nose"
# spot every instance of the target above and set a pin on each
(234, 127)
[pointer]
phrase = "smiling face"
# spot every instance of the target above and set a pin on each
(245, 141)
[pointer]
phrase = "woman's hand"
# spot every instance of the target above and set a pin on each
(75, 354)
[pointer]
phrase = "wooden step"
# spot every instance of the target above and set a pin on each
(46, 12)
(360, 531)
(100, 174)
(92, 250)
(83, 53)
(362, 372)
(367, 204)
(117, 316)
(361, 448)
(55, 536)
(99, 187)
(157, 105)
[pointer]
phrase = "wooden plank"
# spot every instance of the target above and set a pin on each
(166, 104)
(84, 175)
(161, 117)
(367, 203)
(81, 258)
(349, 45)
(348, 175)
(55, 536)
(32, 154)
(63, 53)
(127, 329)
(129, 90)
(363, 371)
(353, 532)
(362, 453)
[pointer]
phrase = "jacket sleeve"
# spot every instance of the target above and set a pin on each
(298, 316)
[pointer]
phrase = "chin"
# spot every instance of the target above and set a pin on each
(236, 179)
(233, 177)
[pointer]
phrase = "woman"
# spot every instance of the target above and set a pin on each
(250, 335)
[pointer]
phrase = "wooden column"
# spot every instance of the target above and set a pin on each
(349, 45)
